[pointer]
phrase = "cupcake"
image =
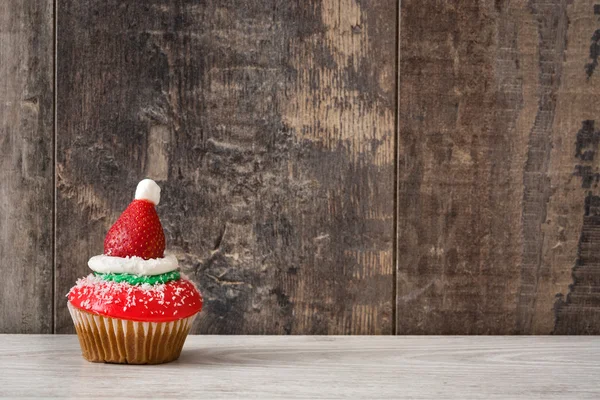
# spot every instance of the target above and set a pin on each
(136, 307)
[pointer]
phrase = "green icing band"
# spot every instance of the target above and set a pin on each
(141, 279)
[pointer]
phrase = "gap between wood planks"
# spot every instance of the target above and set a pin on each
(396, 176)
(54, 150)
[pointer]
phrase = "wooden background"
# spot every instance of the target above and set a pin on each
(328, 167)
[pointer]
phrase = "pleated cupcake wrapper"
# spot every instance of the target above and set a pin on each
(115, 340)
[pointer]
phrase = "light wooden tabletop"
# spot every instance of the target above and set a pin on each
(314, 367)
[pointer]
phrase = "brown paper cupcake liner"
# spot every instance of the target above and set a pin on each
(115, 340)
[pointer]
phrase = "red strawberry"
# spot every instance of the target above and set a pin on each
(137, 232)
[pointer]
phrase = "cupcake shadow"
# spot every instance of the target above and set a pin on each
(214, 357)
(257, 355)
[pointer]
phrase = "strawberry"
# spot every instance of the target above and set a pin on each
(137, 232)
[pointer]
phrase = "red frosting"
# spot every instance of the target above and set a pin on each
(149, 303)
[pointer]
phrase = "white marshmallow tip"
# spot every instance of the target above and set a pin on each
(148, 190)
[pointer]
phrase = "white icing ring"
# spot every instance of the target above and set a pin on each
(133, 265)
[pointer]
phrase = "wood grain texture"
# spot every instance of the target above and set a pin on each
(464, 115)
(491, 185)
(269, 126)
(314, 367)
(572, 247)
(26, 165)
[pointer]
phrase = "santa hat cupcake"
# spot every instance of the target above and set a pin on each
(136, 307)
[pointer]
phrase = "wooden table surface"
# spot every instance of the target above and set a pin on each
(313, 367)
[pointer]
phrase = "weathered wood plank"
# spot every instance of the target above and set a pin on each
(552, 24)
(270, 127)
(572, 245)
(492, 96)
(26, 165)
(463, 134)
(314, 367)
